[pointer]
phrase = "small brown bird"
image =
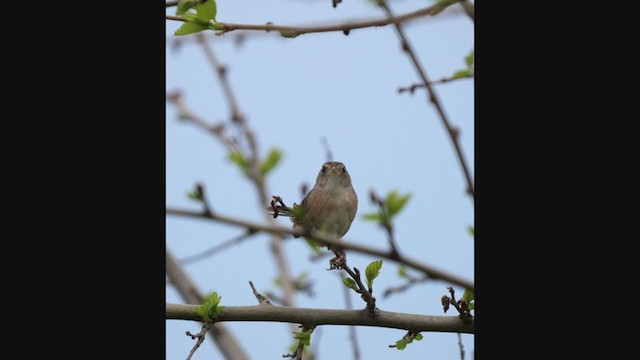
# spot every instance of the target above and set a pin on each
(330, 206)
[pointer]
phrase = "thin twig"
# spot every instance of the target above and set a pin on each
(188, 290)
(297, 355)
(460, 305)
(200, 336)
(324, 239)
(318, 317)
(364, 292)
(274, 298)
(221, 71)
(253, 172)
(212, 251)
(352, 329)
(262, 300)
(412, 88)
(293, 31)
(432, 95)
(327, 150)
(398, 289)
(385, 221)
(469, 9)
(185, 113)
(461, 346)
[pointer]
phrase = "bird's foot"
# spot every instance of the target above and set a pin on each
(338, 262)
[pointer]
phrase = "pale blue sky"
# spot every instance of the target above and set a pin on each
(294, 92)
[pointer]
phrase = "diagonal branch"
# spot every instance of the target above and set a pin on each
(253, 173)
(210, 252)
(469, 8)
(220, 335)
(200, 336)
(430, 271)
(412, 88)
(315, 317)
(432, 96)
(221, 72)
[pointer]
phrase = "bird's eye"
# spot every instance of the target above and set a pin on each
(344, 170)
(323, 169)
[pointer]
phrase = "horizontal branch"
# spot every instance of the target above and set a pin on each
(293, 31)
(315, 317)
(430, 271)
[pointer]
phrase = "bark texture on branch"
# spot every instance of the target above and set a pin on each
(314, 317)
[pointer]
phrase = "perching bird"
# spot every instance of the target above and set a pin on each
(330, 206)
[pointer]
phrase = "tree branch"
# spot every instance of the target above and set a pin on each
(432, 95)
(412, 88)
(315, 317)
(469, 8)
(352, 329)
(238, 119)
(221, 72)
(200, 336)
(253, 174)
(430, 271)
(220, 335)
(460, 346)
(210, 252)
(293, 31)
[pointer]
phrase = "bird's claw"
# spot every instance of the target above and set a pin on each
(338, 262)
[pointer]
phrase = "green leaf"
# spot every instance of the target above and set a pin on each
(191, 16)
(271, 161)
(194, 196)
(471, 230)
(468, 295)
(304, 337)
(350, 283)
(469, 60)
(395, 202)
(314, 244)
(372, 271)
(402, 272)
(210, 308)
(401, 344)
(206, 11)
(184, 5)
(189, 28)
(372, 217)
(445, 3)
(237, 158)
(461, 73)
